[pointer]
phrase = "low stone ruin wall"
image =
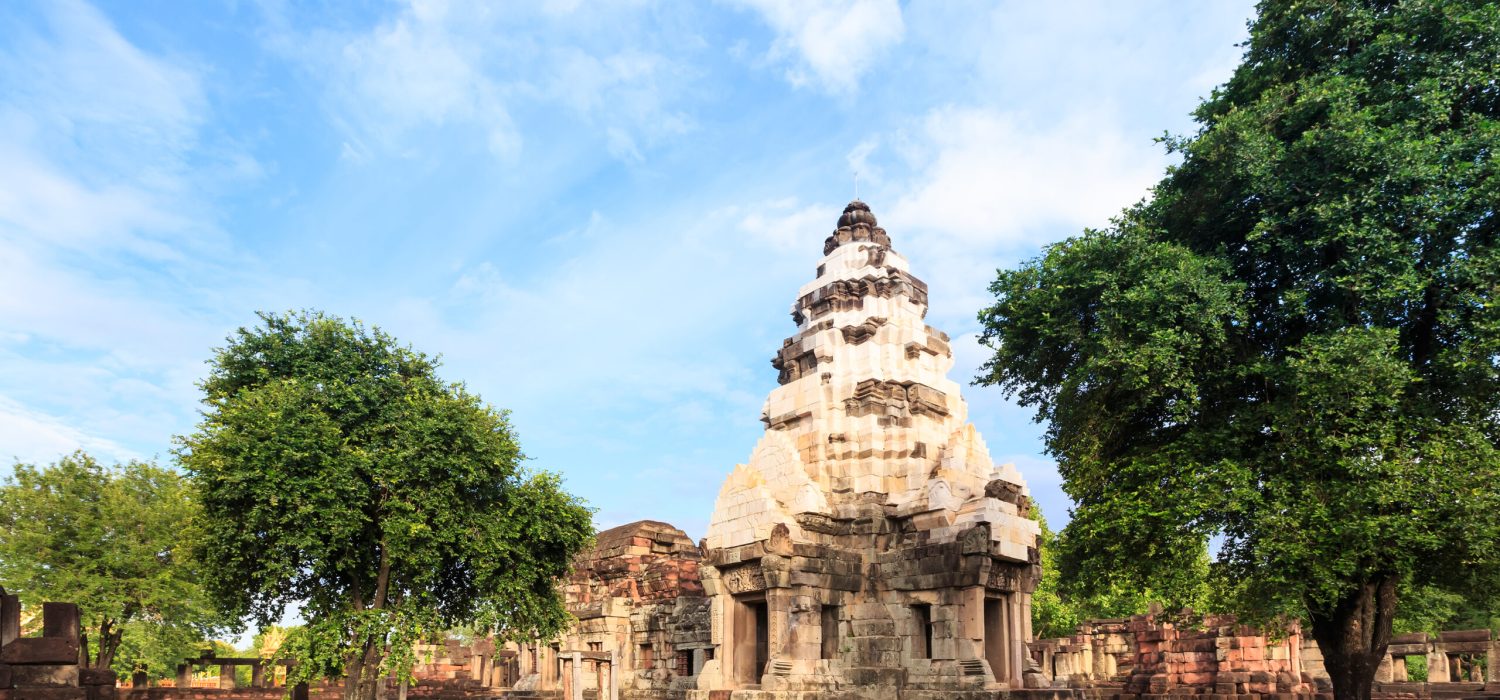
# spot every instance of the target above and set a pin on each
(47, 666)
(1155, 656)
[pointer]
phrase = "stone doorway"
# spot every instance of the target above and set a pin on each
(995, 637)
(752, 639)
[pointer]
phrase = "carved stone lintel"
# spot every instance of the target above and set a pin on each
(744, 579)
(1004, 577)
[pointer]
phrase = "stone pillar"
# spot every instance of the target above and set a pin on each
(778, 623)
(614, 682)
(1384, 673)
(576, 675)
(1492, 665)
(258, 674)
(138, 679)
(60, 620)
(10, 618)
(1437, 665)
(1398, 669)
(969, 627)
(1026, 617)
(226, 676)
(184, 676)
(1016, 642)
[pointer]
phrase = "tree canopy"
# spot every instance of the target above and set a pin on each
(339, 473)
(114, 541)
(1294, 344)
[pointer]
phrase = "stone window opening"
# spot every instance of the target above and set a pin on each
(643, 659)
(921, 640)
(830, 624)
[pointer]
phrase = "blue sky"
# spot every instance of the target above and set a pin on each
(597, 213)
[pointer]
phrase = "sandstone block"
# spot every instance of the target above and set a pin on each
(43, 694)
(40, 650)
(97, 676)
(43, 675)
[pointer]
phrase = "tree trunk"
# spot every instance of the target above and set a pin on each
(354, 676)
(109, 642)
(1354, 636)
(362, 673)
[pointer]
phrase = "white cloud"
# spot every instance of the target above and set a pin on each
(32, 437)
(973, 188)
(413, 71)
(474, 66)
(830, 44)
(112, 265)
(985, 177)
(786, 225)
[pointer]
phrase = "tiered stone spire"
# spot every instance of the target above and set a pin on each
(870, 540)
(866, 408)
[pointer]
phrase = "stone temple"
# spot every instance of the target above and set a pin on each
(870, 545)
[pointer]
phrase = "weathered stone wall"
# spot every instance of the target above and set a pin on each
(1155, 656)
(641, 610)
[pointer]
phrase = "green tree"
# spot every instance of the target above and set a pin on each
(1067, 595)
(1295, 343)
(338, 472)
(113, 541)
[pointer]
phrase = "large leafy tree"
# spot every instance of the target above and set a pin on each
(115, 542)
(339, 473)
(1295, 343)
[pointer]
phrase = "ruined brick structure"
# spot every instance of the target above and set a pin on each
(870, 548)
(640, 605)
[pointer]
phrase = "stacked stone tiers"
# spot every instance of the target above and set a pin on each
(870, 544)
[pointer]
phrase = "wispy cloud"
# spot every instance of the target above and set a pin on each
(829, 45)
(476, 71)
(108, 242)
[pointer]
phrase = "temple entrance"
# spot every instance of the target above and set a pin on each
(995, 638)
(752, 640)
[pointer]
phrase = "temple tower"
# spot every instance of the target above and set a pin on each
(870, 543)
